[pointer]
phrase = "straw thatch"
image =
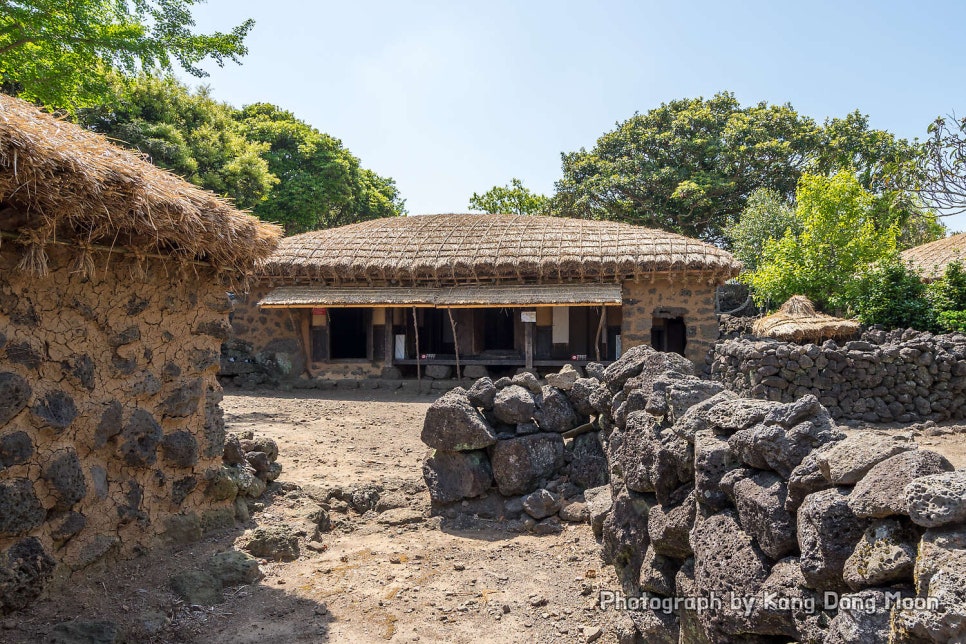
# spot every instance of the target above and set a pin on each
(930, 260)
(455, 249)
(798, 321)
(61, 183)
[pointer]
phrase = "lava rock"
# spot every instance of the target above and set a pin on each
(519, 464)
(669, 528)
(625, 537)
(258, 460)
(580, 394)
(712, 460)
(66, 478)
(599, 503)
(865, 618)
(513, 405)
(184, 400)
(885, 554)
(98, 631)
(851, 459)
(658, 572)
(16, 448)
(642, 359)
(25, 569)
(15, 393)
(180, 448)
(452, 476)
(736, 414)
(234, 568)
(541, 504)
(55, 411)
(482, 393)
(110, 425)
(453, 424)
(828, 532)
(875, 495)
(70, 525)
(20, 509)
(807, 478)
(564, 379)
(760, 499)
(277, 543)
(141, 435)
(197, 588)
(588, 464)
(554, 413)
(937, 499)
(233, 453)
(779, 448)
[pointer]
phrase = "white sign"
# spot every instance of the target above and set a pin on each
(528, 316)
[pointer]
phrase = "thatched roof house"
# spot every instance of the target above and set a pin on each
(930, 260)
(799, 321)
(113, 310)
(497, 290)
(61, 183)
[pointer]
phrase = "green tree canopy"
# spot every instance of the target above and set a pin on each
(841, 234)
(513, 198)
(321, 183)
(189, 133)
(767, 216)
(60, 54)
(690, 165)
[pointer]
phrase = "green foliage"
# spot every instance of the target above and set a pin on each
(189, 133)
(511, 199)
(322, 184)
(60, 54)
(767, 216)
(840, 235)
(948, 293)
(890, 294)
(952, 321)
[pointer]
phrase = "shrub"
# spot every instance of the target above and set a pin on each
(890, 294)
(952, 321)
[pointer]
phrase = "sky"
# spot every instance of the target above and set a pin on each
(452, 98)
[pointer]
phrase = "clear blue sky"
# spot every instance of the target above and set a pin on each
(454, 97)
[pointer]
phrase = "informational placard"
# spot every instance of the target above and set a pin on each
(528, 316)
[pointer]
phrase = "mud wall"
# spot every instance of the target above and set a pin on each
(693, 299)
(109, 414)
(899, 376)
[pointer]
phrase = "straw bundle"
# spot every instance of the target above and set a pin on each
(454, 249)
(798, 321)
(61, 183)
(930, 260)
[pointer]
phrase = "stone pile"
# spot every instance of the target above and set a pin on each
(498, 449)
(902, 376)
(249, 464)
(717, 496)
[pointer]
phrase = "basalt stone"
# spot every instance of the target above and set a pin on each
(262, 444)
(16, 448)
(697, 416)
(588, 464)
(99, 480)
(438, 371)
(452, 476)
(796, 619)
(81, 368)
(214, 429)
(184, 400)
(669, 527)
(234, 568)
(642, 359)
(276, 543)
(625, 535)
(564, 379)
(712, 460)
(849, 460)
(452, 423)
(736, 414)
(580, 394)
(554, 413)
(110, 425)
(55, 411)
(807, 478)
(947, 623)
(203, 360)
(513, 405)
(863, 618)
(937, 499)
(519, 464)
(828, 532)
(147, 386)
(197, 587)
(679, 394)
(69, 525)
(141, 436)
(180, 448)
(25, 569)
(24, 354)
(658, 572)
(136, 305)
(233, 454)
(127, 336)
(640, 443)
(599, 503)
(885, 554)
(131, 510)
(170, 371)
(782, 449)
(482, 393)
(541, 504)
(66, 478)
(181, 488)
(760, 499)
(258, 460)
(528, 381)
(20, 509)
(219, 329)
(875, 495)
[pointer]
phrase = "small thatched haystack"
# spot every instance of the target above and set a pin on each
(930, 260)
(798, 321)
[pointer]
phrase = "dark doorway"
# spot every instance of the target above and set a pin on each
(349, 334)
(498, 329)
(669, 334)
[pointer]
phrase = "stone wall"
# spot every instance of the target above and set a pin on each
(110, 422)
(899, 376)
(689, 297)
(740, 520)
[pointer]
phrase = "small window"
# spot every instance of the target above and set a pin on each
(349, 334)
(669, 334)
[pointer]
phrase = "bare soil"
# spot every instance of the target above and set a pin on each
(393, 574)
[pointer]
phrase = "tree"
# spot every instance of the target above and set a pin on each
(890, 294)
(687, 166)
(189, 133)
(60, 54)
(767, 216)
(513, 198)
(840, 235)
(322, 184)
(942, 178)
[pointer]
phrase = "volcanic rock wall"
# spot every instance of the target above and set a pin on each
(899, 376)
(110, 424)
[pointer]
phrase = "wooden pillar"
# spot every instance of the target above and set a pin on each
(528, 344)
(390, 340)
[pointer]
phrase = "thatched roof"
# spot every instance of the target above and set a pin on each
(930, 260)
(61, 183)
(448, 249)
(798, 321)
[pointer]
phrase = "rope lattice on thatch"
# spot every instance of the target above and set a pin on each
(799, 321)
(440, 249)
(62, 183)
(930, 260)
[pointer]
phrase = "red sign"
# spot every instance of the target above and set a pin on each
(319, 311)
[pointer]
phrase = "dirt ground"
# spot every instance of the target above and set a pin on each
(392, 574)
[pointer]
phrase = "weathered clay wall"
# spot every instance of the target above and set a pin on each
(109, 413)
(688, 297)
(897, 376)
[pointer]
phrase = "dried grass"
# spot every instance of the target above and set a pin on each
(455, 249)
(930, 260)
(799, 321)
(73, 185)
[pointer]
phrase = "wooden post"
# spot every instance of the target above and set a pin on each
(528, 340)
(600, 329)
(419, 376)
(390, 340)
(456, 341)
